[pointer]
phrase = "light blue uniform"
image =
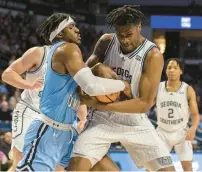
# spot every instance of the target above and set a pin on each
(46, 147)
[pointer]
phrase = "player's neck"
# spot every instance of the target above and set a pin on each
(139, 41)
(174, 85)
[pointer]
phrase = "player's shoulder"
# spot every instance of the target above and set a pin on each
(67, 51)
(69, 48)
(36, 52)
(186, 84)
(107, 37)
(191, 94)
(154, 56)
(161, 85)
(162, 82)
(189, 88)
(153, 51)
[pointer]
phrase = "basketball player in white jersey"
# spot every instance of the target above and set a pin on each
(136, 60)
(32, 62)
(175, 101)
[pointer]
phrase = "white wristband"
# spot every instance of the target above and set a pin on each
(94, 86)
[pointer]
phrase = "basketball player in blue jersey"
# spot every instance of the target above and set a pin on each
(138, 61)
(33, 63)
(48, 140)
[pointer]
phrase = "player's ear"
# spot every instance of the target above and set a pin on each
(139, 27)
(59, 35)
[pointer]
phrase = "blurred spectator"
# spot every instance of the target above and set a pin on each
(5, 112)
(3, 88)
(5, 143)
(3, 98)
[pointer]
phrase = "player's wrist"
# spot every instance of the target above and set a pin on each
(194, 127)
(27, 85)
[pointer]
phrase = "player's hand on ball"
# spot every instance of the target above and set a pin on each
(127, 90)
(90, 101)
(191, 134)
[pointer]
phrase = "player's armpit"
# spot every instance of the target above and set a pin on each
(30, 58)
(149, 82)
(99, 50)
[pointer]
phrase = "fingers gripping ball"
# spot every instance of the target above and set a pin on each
(108, 98)
(104, 71)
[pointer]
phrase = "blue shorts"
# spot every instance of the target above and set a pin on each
(45, 148)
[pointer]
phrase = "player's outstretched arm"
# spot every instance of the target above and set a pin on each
(89, 83)
(194, 112)
(149, 82)
(12, 75)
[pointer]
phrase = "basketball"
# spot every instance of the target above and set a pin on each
(108, 98)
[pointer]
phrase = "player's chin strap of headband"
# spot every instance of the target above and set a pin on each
(61, 26)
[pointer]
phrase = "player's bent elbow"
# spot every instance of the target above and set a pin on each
(4, 76)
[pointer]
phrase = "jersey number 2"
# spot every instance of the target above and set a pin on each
(170, 113)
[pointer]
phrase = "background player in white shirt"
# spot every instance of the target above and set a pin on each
(33, 63)
(136, 60)
(175, 101)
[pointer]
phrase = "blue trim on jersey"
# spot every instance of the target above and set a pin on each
(109, 47)
(138, 49)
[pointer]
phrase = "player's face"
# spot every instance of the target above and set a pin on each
(128, 35)
(173, 71)
(71, 34)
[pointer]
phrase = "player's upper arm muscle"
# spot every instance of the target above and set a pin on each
(99, 50)
(72, 58)
(192, 101)
(27, 60)
(151, 76)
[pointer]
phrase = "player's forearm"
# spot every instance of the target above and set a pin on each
(14, 79)
(95, 86)
(195, 120)
(128, 106)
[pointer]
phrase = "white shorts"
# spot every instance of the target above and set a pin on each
(135, 132)
(176, 140)
(22, 118)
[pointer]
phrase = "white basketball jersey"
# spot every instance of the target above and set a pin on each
(32, 97)
(128, 66)
(172, 107)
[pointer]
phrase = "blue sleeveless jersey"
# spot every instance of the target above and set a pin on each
(58, 99)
